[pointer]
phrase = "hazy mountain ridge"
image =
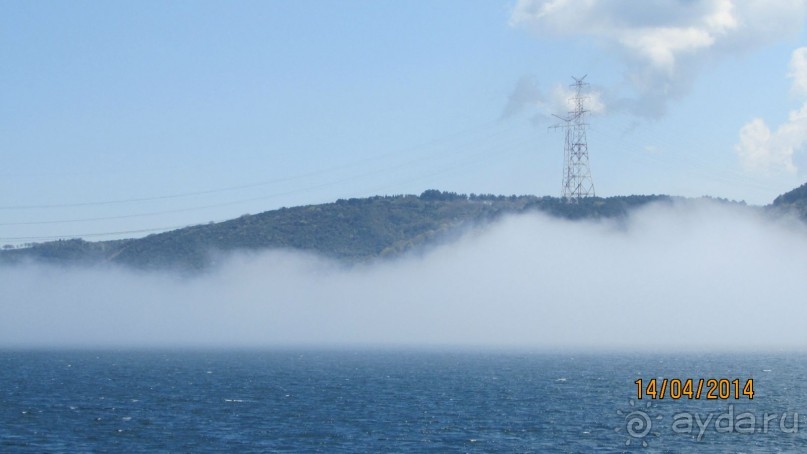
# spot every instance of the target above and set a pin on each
(351, 230)
(794, 201)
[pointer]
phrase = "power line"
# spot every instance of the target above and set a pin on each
(386, 169)
(164, 229)
(249, 185)
(469, 160)
(96, 234)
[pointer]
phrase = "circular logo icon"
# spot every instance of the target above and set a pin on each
(638, 424)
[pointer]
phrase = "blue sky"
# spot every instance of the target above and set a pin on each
(122, 118)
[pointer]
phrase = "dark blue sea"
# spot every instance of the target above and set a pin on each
(390, 401)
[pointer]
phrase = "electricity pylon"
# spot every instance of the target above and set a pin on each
(577, 182)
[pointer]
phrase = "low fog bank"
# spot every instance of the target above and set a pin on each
(692, 276)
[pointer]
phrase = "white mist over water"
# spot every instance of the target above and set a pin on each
(691, 276)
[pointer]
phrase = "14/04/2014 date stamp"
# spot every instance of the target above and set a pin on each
(712, 388)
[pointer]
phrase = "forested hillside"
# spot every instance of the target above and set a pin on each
(349, 230)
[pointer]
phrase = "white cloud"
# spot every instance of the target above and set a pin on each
(760, 151)
(663, 42)
(766, 152)
(798, 71)
(661, 46)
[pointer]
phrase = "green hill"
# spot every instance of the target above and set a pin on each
(793, 201)
(348, 230)
(351, 230)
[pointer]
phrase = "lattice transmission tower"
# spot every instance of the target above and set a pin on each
(577, 182)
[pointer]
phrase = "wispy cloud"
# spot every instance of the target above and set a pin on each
(562, 102)
(527, 96)
(662, 43)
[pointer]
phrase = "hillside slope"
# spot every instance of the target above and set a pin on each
(793, 201)
(348, 230)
